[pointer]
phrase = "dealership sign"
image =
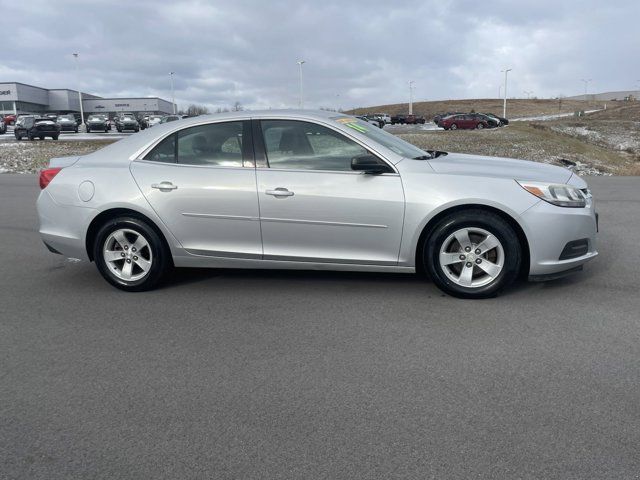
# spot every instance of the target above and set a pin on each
(5, 92)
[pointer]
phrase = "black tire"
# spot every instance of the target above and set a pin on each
(30, 137)
(18, 137)
(88, 130)
(453, 127)
(55, 137)
(488, 221)
(480, 126)
(106, 130)
(41, 137)
(160, 265)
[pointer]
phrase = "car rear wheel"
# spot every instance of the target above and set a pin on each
(453, 127)
(41, 137)
(55, 137)
(472, 254)
(130, 255)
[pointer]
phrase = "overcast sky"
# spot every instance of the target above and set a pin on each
(357, 53)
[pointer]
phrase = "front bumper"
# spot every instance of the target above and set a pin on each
(550, 229)
(68, 128)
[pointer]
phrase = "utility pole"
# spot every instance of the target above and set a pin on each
(528, 94)
(301, 100)
(411, 82)
(79, 92)
(586, 82)
(504, 105)
(173, 95)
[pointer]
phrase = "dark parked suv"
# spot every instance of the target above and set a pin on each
(68, 123)
(127, 121)
(97, 123)
(31, 127)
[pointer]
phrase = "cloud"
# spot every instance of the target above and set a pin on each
(357, 53)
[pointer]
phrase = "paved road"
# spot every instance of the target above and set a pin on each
(232, 374)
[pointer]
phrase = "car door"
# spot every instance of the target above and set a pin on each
(201, 182)
(314, 207)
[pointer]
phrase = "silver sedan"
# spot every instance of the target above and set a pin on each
(312, 190)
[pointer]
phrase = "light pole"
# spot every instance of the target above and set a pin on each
(528, 94)
(499, 91)
(173, 95)
(411, 82)
(504, 105)
(301, 100)
(79, 92)
(586, 82)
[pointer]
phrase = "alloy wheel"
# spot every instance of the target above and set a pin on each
(127, 254)
(471, 257)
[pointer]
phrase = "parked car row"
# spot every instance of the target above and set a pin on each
(32, 125)
(468, 121)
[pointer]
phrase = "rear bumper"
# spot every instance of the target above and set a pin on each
(552, 231)
(63, 227)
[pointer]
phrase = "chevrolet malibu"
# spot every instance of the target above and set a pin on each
(312, 190)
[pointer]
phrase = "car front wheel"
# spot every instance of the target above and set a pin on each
(130, 255)
(453, 127)
(472, 254)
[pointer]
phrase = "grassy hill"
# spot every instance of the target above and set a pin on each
(515, 108)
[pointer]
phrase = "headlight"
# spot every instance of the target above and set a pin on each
(557, 194)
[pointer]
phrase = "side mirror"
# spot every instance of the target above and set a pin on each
(369, 164)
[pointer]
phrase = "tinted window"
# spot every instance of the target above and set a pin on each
(165, 151)
(214, 144)
(307, 146)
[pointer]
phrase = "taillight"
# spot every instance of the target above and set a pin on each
(47, 175)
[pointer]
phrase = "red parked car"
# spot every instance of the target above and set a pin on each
(466, 121)
(9, 119)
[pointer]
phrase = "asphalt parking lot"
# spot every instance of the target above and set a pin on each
(254, 374)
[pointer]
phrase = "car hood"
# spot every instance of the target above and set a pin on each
(480, 166)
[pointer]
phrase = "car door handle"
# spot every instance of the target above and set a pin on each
(280, 192)
(164, 186)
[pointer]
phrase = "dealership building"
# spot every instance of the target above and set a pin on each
(19, 98)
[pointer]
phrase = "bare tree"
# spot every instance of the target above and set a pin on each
(195, 110)
(237, 107)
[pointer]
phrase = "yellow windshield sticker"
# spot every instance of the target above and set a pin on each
(351, 123)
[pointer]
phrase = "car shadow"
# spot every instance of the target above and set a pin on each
(186, 276)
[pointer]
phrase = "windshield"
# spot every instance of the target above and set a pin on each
(68, 117)
(385, 139)
(95, 117)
